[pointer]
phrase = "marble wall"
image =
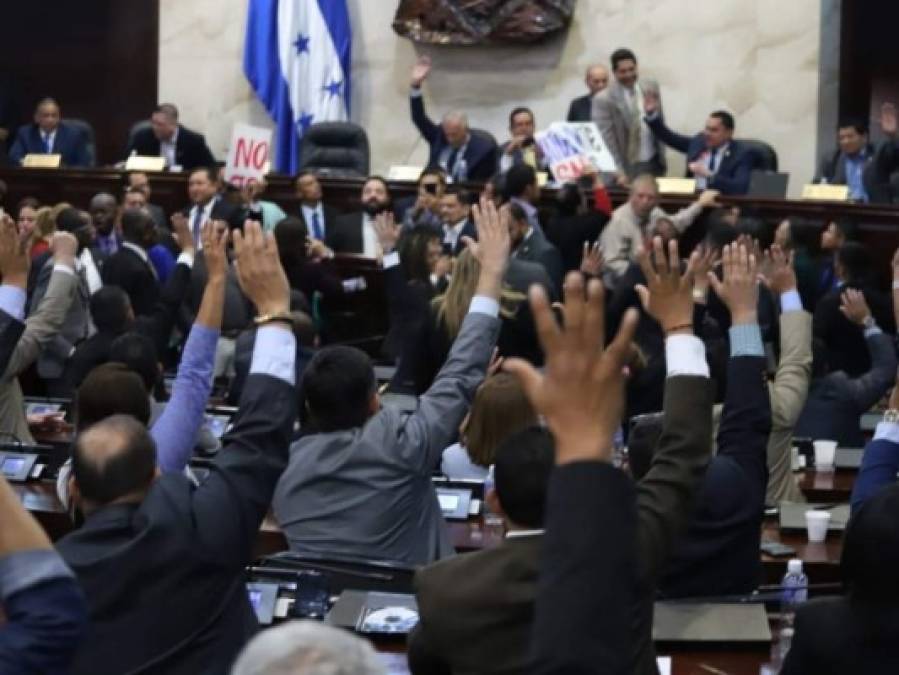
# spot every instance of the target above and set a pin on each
(759, 59)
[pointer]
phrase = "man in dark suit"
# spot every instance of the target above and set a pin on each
(463, 155)
(521, 147)
(318, 216)
(581, 109)
(476, 610)
(714, 158)
(530, 244)
(112, 315)
(49, 135)
(354, 232)
(130, 269)
(207, 204)
(138, 180)
(180, 146)
(573, 226)
(160, 559)
(455, 211)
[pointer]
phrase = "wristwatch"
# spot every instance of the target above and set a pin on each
(891, 416)
(272, 318)
(869, 322)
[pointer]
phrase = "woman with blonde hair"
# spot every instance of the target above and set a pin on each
(500, 409)
(44, 226)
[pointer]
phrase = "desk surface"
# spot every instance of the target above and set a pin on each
(835, 486)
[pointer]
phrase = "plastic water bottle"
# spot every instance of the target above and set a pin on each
(794, 593)
(493, 522)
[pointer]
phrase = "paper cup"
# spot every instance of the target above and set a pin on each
(816, 523)
(824, 454)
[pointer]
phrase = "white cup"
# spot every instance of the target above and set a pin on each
(824, 454)
(816, 523)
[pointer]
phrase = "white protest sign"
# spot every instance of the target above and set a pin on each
(249, 155)
(571, 147)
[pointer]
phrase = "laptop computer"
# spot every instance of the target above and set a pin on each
(848, 458)
(770, 184)
(680, 622)
(792, 515)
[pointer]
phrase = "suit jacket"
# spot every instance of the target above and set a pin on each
(11, 330)
(88, 355)
(41, 328)
(734, 168)
(222, 210)
(345, 235)
(238, 311)
(367, 492)
(879, 163)
(164, 578)
(191, 150)
(69, 142)
(468, 230)
(788, 391)
(719, 554)
(537, 249)
(476, 611)
(831, 638)
(581, 109)
(126, 270)
(480, 154)
(587, 572)
(330, 217)
(836, 400)
(76, 327)
(612, 115)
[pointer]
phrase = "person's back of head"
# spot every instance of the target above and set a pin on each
(519, 178)
(113, 460)
(111, 389)
(854, 263)
(111, 310)
(568, 199)
(338, 390)
(291, 236)
(522, 468)
(69, 219)
(307, 648)
(138, 227)
(138, 353)
(500, 409)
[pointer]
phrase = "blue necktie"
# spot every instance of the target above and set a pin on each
(316, 226)
(712, 159)
(198, 220)
(47, 147)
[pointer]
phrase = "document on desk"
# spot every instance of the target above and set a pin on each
(664, 664)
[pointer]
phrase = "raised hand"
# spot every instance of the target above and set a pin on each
(854, 307)
(259, 270)
(778, 273)
(420, 70)
(651, 103)
(581, 391)
(592, 260)
(668, 294)
(491, 249)
(387, 230)
(181, 230)
(215, 241)
(739, 291)
(708, 198)
(14, 256)
(64, 247)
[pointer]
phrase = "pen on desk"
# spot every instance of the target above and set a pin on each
(710, 669)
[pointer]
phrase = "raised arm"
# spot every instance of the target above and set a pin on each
(175, 431)
(442, 407)
(880, 462)
(587, 576)
(420, 118)
(656, 122)
(867, 389)
(228, 507)
(46, 613)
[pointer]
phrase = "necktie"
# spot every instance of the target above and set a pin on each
(48, 148)
(198, 220)
(316, 226)
(713, 158)
(451, 162)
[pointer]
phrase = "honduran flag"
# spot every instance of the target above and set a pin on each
(297, 58)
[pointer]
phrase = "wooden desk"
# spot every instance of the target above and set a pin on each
(821, 562)
(835, 486)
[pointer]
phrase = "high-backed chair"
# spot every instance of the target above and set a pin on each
(765, 157)
(336, 149)
(136, 128)
(88, 131)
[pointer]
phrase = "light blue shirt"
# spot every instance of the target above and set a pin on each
(855, 169)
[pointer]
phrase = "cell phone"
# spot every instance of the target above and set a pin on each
(312, 596)
(776, 549)
(431, 188)
(255, 214)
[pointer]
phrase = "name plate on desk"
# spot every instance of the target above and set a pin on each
(676, 186)
(404, 172)
(36, 161)
(827, 193)
(145, 163)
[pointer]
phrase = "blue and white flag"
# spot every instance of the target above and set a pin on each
(297, 57)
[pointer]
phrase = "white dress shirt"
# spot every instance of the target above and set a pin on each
(86, 262)
(206, 215)
(167, 149)
(370, 247)
(48, 139)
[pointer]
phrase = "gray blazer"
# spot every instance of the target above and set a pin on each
(612, 115)
(75, 327)
(537, 249)
(367, 492)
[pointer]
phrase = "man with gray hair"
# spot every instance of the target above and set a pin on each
(307, 648)
(182, 148)
(464, 156)
(596, 78)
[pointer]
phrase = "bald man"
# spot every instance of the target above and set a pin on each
(49, 135)
(596, 78)
(462, 155)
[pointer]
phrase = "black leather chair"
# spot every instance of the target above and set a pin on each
(765, 158)
(88, 132)
(136, 128)
(335, 149)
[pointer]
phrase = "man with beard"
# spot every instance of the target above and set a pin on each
(355, 232)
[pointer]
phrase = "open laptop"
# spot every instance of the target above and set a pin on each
(683, 622)
(792, 515)
(768, 184)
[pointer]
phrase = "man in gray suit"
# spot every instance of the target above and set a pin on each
(40, 329)
(359, 480)
(618, 112)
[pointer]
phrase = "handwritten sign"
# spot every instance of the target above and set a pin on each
(573, 148)
(249, 155)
